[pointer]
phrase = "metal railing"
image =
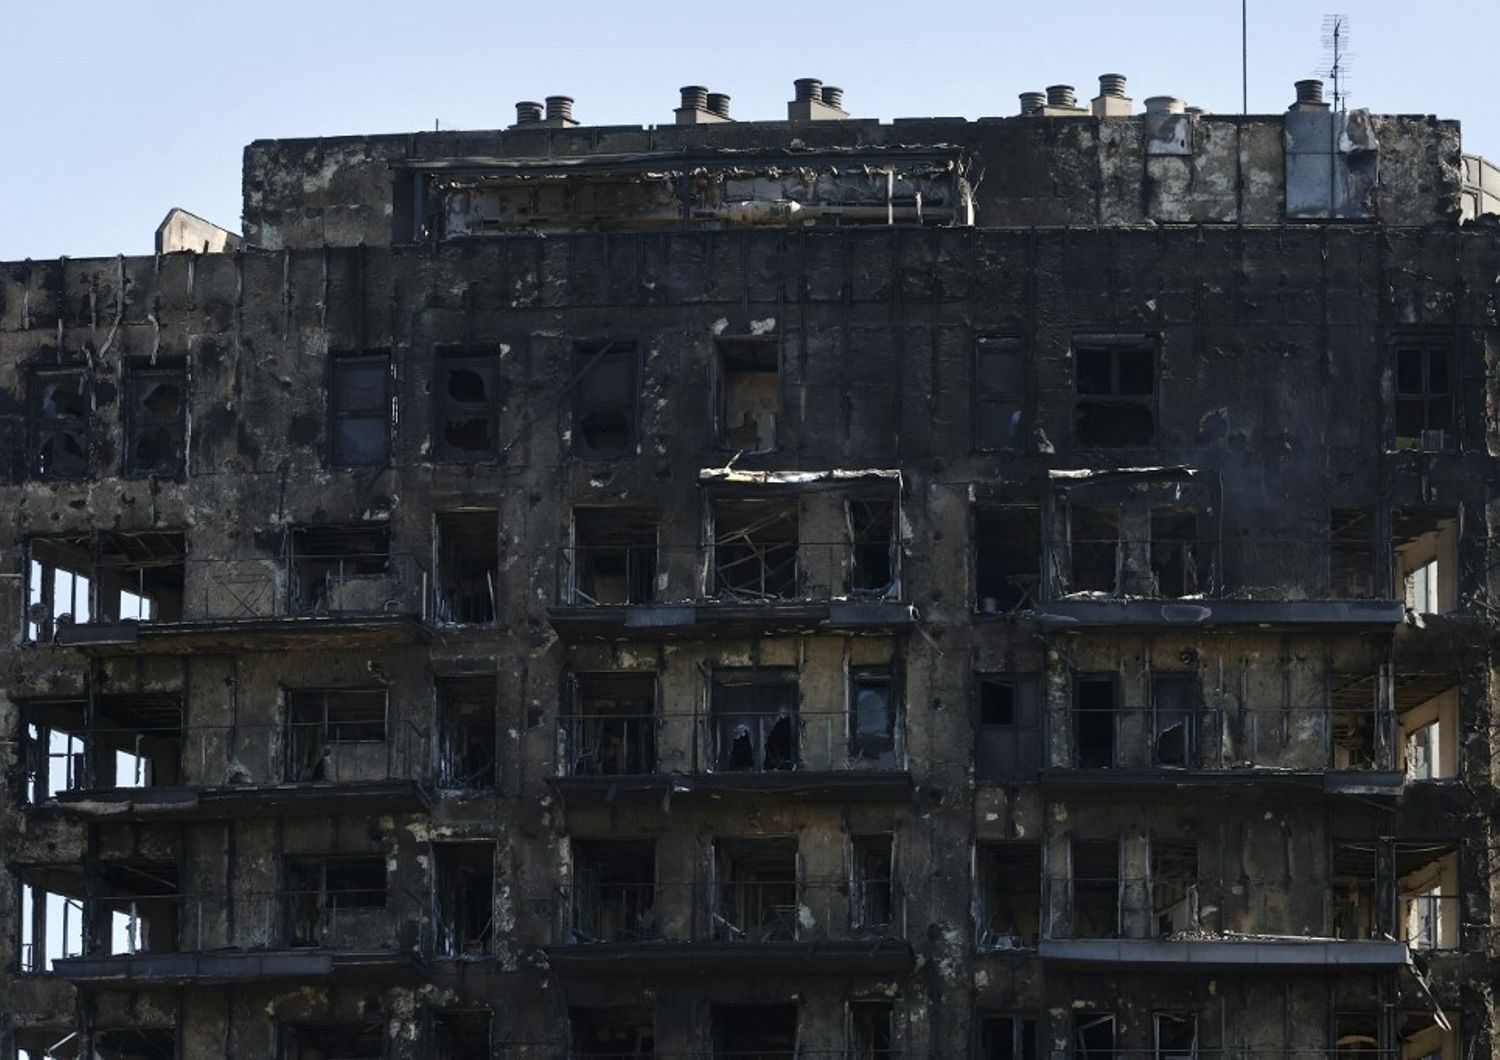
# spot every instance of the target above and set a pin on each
(605, 745)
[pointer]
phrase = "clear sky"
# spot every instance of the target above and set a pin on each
(116, 112)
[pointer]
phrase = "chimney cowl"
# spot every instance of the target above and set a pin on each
(1309, 90)
(528, 112)
(833, 97)
(559, 108)
(1164, 105)
(718, 103)
(1112, 85)
(808, 90)
(694, 97)
(1032, 102)
(1061, 96)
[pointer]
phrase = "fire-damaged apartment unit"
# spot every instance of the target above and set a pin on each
(986, 590)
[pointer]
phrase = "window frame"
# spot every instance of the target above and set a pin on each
(353, 361)
(138, 375)
(1116, 345)
(982, 398)
(445, 407)
(40, 428)
(1017, 728)
(587, 357)
(1426, 345)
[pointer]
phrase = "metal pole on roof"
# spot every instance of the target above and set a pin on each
(1244, 57)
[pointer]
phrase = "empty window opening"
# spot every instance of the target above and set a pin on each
(463, 1035)
(756, 724)
(750, 395)
(611, 727)
(468, 406)
(1007, 561)
(1010, 894)
(612, 1034)
(337, 902)
(614, 556)
(756, 890)
(1427, 888)
(364, 1040)
(754, 1032)
(1356, 1036)
(1426, 555)
(871, 1030)
(48, 1043)
(604, 399)
(614, 890)
(1010, 743)
(468, 566)
(341, 569)
(1351, 553)
(999, 394)
(1095, 888)
(1175, 699)
(53, 748)
(873, 552)
(1424, 398)
(52, 900)
(1359, 738)
(136, 741)
(1116, 386)
(1094, 547)
(755, 549)
(109, 577)
(463, 886)
(137, 906)
(1174, 887)
(466, 733)
(1176, 1035)
(136, 1043)
(361, 409)
(1179, 553)
(1007, 1037)
(336, 734)
(1427, 723)
(1354, 902)
(873, 710)
(1093, 1036)
(1095, 707)
(1422, 1038)
(61, 409)
(872, 884)
(156, 420)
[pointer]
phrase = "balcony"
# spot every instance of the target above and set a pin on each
(220, 772)
(740, 587)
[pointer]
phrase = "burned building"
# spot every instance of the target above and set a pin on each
(1005, 588)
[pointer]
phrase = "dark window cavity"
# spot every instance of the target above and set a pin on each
(873, 712)
(361, 409)
(461, 1035)
(1180, 555)
(1010, 743)
(1424, 397)
(332, 902)
(749, 394)
(613, 559)
(1115, 380)
(756, 719)
(1174, 886)
(870, 1030)
(1094, 888)
(1094, 540)
(61, 408)
(1176, 1035)
(1351, 553)
(612, 1034)
(605, 399)
(347, 1041)
(1174, 717)
(468, 566)
(466, 733)
(1095, 704)
(1010, 894)
(611, 726)
(463, 887)
(340, 569)
(872, 881)
(755, 549)
(1007, 561)
(999, 394)
(614, 890)
(755, 896)
(113, 576)
(325, 730)
(468, 407)
(873, 550)
(156, 420)
(1007, 1037)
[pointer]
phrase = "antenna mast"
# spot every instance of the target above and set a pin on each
(1336, 57)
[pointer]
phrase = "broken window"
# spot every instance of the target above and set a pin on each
(1174, 887)
(755, 890)
(611, 727)
(467, 407)
(604, 399)
(61, 408)
(872, 553)
(1359, 737)
(135, 742)
(1424, 397)
(1007, 1037)
(1093, 1036)
(337, 902)
(364, 1040)
(1010, 894)
(1010, 743)
(1095, 888)
(1427, 721)
(1174, 714)
(1354, 903)
(336, 569)
(873, 709)
(755, 715)
(52, 899)
(749, 394)
(755, 549)
(335, 734)
(1351, 553)
(360, 409)
(612, 1034)
(999, 394)
(1427, 888)
(1095, 706)
(1356, 1036)
(463, 888)
(1179, 554)
(137, 905)
(614, 890)
(134, 1043)
(466, 733)
(52, 748)
(872, 885)
(461, 1035)
(468, 566)
(1426, 553)
(754, 1032)
(108, 577)
(155, 420)
(614, 556)
(1094, 546)
(1115, 378)
(871, 1030)
(1176, 1035)
(1007, 561)
(50, 1043)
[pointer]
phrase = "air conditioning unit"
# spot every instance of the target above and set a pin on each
(1434, 441)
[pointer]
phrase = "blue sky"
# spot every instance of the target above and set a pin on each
(118, 112)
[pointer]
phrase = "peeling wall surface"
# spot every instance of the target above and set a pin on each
(1093, 654)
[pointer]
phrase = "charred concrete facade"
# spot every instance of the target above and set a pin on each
(823, 588)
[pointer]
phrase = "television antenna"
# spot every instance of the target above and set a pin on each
(1336, 57)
